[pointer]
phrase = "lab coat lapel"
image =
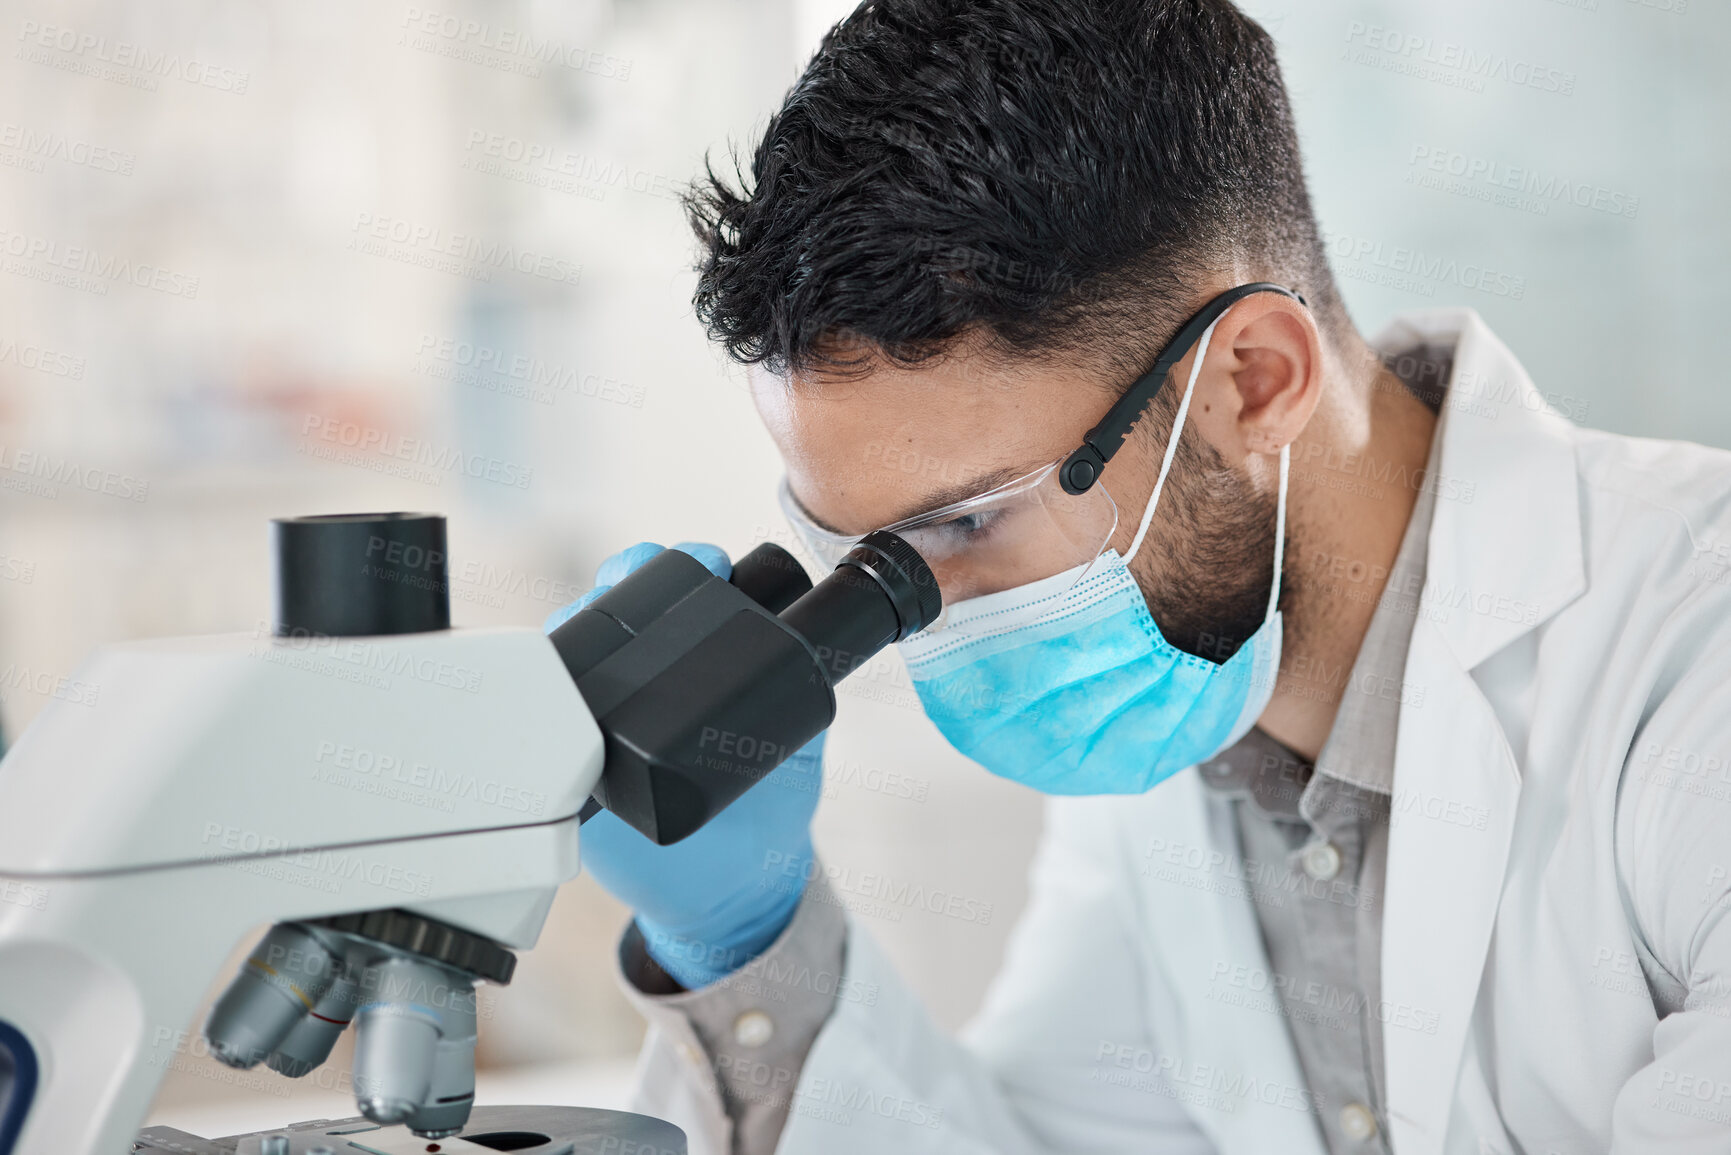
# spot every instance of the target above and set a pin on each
(1455, 790)
(1505, 555)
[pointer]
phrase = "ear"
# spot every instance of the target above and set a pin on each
(1261, 379)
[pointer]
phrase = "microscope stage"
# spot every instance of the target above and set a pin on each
(526, 1130)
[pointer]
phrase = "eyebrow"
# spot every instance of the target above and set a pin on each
(936, 500)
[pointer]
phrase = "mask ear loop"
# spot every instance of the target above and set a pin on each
(1166, 467)
(1279, 533)
(1172, 442)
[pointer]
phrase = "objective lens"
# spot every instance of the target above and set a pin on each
(289, 971)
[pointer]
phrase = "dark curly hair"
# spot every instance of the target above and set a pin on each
(1052, 175)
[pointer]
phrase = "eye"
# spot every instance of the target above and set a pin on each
(969, 522)
(966, 529)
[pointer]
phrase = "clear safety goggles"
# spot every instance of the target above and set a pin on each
(1023, 531)
(1058, 517)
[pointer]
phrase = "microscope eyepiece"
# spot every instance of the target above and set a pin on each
(701, 687)
(905, 577)
(881, 592)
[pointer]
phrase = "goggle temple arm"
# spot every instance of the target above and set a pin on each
(1083, 467)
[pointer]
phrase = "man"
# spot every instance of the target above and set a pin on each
(1388, 709)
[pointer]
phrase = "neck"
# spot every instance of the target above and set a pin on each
(1353, 486)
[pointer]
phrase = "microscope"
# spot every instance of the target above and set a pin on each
(206, 786)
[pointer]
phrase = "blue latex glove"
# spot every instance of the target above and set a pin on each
(711, 903)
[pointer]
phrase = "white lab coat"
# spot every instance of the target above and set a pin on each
(1556, 963)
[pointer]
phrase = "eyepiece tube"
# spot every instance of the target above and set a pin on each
(700, 688)
(771, 577)
(882, 592)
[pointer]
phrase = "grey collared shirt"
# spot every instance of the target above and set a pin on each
(1320, 835)
(754, 1028)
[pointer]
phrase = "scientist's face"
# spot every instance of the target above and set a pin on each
(866, 450)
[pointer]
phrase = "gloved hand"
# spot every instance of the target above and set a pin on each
(709, 904)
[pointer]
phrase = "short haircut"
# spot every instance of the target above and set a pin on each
(1051, 177)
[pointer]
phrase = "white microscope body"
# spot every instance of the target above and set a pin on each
(200, 788)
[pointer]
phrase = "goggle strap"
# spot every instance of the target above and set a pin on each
(1082, 468)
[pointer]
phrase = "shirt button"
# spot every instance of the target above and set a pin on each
(1357, 1122)
(1321, 860)
(753, 1029)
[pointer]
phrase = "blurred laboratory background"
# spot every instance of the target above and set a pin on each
(273, 257)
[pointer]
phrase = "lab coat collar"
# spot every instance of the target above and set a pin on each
(1507, 469)
(1505, 556)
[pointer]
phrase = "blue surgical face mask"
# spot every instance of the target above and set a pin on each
(1068, 686)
